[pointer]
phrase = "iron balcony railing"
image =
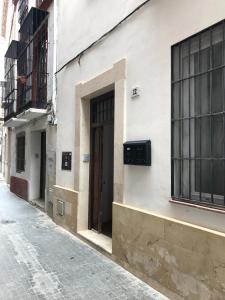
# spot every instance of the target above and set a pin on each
(32, 72)
(9, 91)
(26, 64)
(2, 98)
(22, 10)
(32, 23)
(9, 98)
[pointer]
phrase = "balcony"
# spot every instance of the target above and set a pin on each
(14, 49)
(32, 73)
(9, 91)
(8, 103)
(2, 96)
(26, 69)
(32, 22)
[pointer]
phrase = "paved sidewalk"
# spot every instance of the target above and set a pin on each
(39, 260)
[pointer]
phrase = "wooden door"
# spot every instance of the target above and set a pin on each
(107, 178)
(101, 166)
(97, 178)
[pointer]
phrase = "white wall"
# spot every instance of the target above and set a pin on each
(82, 22)
(32, 162)
(32, 3)
(12, 25)
(145, 41)
(2, 53)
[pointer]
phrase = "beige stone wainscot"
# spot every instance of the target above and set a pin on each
(187, 259)
(65, 208)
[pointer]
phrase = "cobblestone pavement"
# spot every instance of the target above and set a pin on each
(39, 260)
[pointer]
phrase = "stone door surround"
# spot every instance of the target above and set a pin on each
(112, 79)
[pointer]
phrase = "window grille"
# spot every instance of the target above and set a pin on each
(2, 95)
(198, 118)
(10, 88)
(41, 46)
(103, 109)
(20, 151)
(24, 78)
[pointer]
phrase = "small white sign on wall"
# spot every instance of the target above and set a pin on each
(86, 157)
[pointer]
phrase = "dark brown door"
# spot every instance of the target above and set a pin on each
(43, 165)
(97, 178)
(101, 167)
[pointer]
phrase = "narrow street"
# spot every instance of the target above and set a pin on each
(39, 260)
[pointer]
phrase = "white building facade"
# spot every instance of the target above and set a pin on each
(121, 79)
(29, 103)
(2, 47)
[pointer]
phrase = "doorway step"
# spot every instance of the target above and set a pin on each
(39, 203)
(102, 241)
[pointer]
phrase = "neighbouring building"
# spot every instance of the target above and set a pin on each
(8, 28)
(132, 74)
(2, 89)
(29, 101)
(3, 13)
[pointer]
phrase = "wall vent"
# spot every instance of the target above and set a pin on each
(60, 208)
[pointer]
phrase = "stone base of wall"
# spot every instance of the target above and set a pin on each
(186, 259)
(70, 199)
(19, 187)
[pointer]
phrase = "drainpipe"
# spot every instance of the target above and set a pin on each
(54, 96)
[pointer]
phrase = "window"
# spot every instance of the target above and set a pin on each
(20, 153)
(198, 118)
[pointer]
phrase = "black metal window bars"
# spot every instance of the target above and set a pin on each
(8, 103)
(2, 96)
(198, 118)
(102, 109)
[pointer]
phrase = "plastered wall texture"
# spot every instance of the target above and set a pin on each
(186, 259)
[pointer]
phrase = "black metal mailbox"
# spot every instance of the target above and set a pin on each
(137, 153)
(66, 161)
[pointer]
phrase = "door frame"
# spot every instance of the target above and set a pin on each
(111, 79)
